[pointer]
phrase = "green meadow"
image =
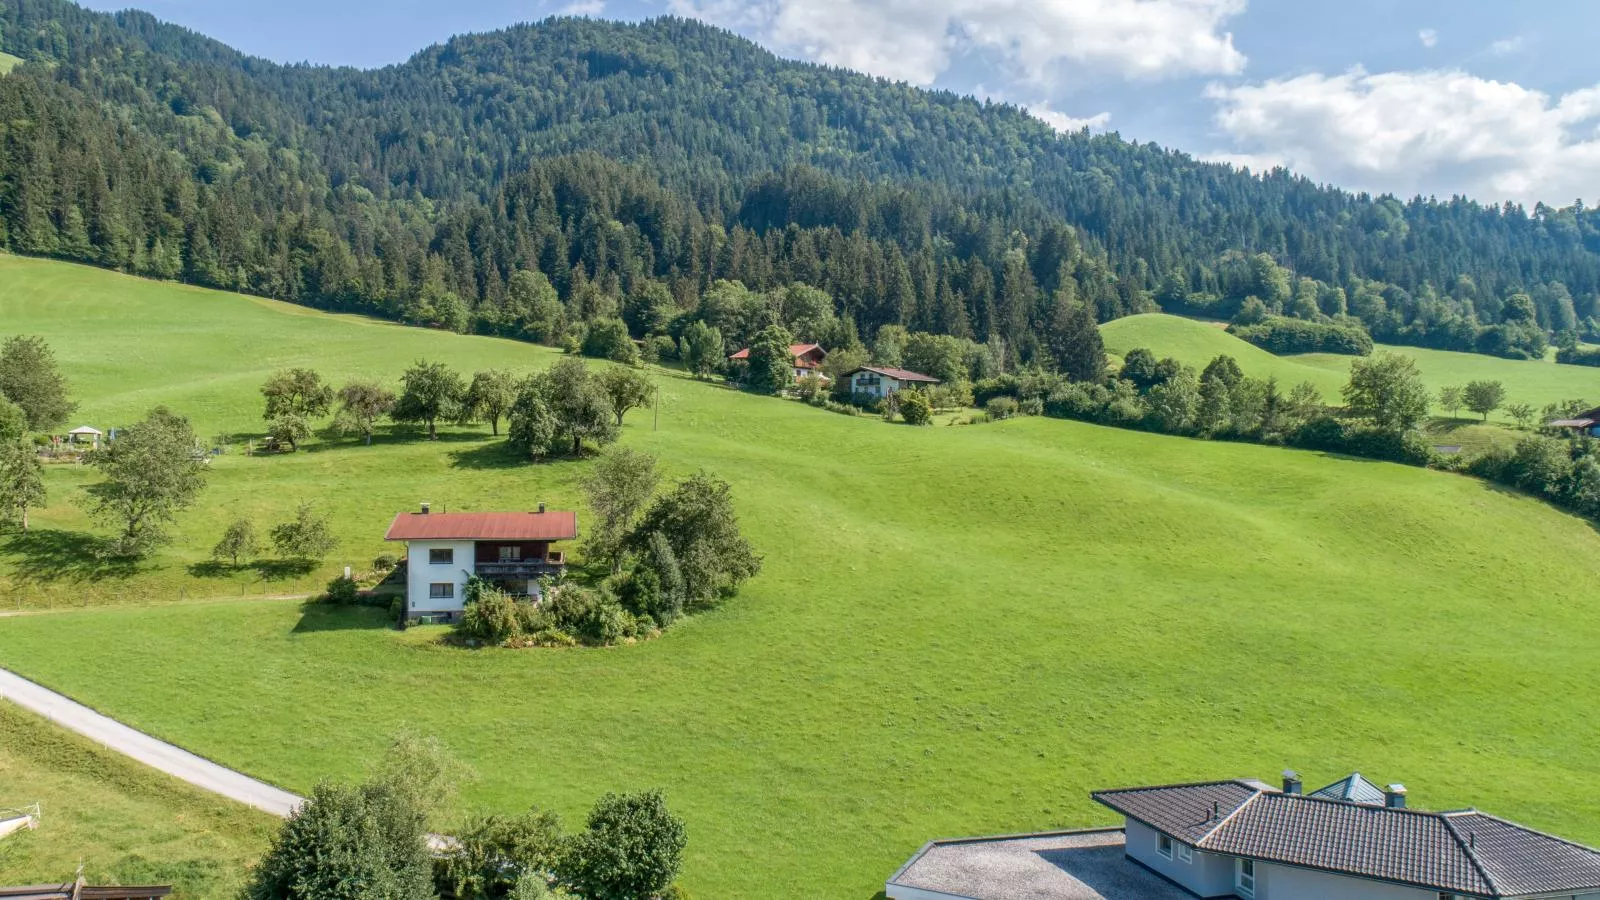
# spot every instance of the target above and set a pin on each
(8, 62)
(958, 630)
(124, 823)
(1196, 343)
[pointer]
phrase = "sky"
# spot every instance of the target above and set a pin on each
(1492, 99)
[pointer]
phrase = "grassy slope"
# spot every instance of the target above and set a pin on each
(8, 62)
(959, 630)
(125, 823)
(1196, 343)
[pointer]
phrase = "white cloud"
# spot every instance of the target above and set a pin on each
(917, 41)
(1431, 132)
(1067, 124)
(591, 8)
(1428, 37)
(1506, 46)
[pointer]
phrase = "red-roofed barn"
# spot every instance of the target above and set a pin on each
(508, 549)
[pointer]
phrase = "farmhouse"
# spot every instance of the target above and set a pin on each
(1247, 839)
(508, 549)
(807, 358)
(1583, 423)
(881, 381)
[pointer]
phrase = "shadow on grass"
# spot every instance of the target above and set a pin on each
(318, 617)
(50, 555)
(500, 455)
(265, 569)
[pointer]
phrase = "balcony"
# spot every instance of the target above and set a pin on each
(553, 562)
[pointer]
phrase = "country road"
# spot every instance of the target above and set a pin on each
(175, 761)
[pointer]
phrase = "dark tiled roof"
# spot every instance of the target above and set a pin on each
(898, 374)
(1352, 789)
(1459, 852)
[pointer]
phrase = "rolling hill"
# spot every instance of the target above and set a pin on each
(1196, 343)
(958, 630)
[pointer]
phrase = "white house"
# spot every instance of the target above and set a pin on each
(881, 381)
(509, 549)
(1247, 839)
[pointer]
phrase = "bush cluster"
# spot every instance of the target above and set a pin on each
(568, 615)
(1283, 335)
(1565, 472)
(1579, 356)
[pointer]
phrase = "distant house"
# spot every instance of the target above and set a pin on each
(1583, 423)
(1247, 839)
(807, 358)
(508, 549)
(881, 381)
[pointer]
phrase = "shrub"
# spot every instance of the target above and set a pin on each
(490, 615)
(593, 617)
(663, 347)
(1354, 439)
(1001, 408)
(1579, 356)
(631, 848)
(342, 591)
(915, 407)
(808, 387)
(397, 608)
(609, 339)
(346, 843)
(385, 562)
(1033, 406)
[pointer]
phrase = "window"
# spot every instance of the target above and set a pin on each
(1186, 853)
(442, 590)
(1164, 845)
(444, 557)
(512, 553)
(1246, 880)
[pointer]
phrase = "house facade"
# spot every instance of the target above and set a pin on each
(881, 381)
(511, 550)
(807, 358)
(1247, 839)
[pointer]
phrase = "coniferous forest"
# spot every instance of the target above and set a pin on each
(535, 181)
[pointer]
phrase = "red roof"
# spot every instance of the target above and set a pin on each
(898, 374)
(795, 350)
(484, 526)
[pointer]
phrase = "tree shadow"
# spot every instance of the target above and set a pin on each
(282, 569)
(490, 455)
(318, 617)
(52, 555)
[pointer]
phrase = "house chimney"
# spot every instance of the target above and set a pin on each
(1394, 796)
(1291, 781)
(541, 507)
(425, 505)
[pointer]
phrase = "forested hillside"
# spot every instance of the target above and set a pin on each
(536, 180)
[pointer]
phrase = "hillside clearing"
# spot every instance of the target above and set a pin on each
(958, 630)
(1196, 343)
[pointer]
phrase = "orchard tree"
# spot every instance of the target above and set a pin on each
(21, 482)
(152, 471)
(532, 430)
(1451, 399)
(489, 398)
(1522, 414)
(305, 537)
(1387, 389)
(290, 429)
(578, 403)
(238, 541)
(626, 389)
(702, 528)
(295, 398)
(361, 405)
(621, 483)
(430, 392)
(1484, 397)
(30, 378)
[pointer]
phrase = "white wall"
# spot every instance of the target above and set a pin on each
(1289, 883)
(1207, 874)
(420, 574)
(883, 388)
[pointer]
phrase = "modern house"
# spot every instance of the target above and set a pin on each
(508, 549)
(881, 381)
(807, 358)
(1583, 423)
(1247, 839)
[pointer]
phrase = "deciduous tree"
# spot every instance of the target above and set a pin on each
(1387, 389)
(770, 368)
(701, 349)
(631, 848)
(152, 470)
(21, 482)
(490, 397)
(1484, 397)
(626, 389)
(238, 541)
(305, 537)
(30, 378)
(430, 392)
(701, 526)
(621, 483)
(361, 405)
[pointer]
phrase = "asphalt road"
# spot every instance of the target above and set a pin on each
(175, 761)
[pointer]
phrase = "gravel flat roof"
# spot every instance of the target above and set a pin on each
(1068, 866)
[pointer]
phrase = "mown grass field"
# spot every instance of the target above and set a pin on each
(959, 630)
(1196, 343)
(125, 823)
(8, 62)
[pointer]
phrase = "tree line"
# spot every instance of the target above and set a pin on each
(433, 192)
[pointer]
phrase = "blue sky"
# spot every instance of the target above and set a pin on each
(1495, 100)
